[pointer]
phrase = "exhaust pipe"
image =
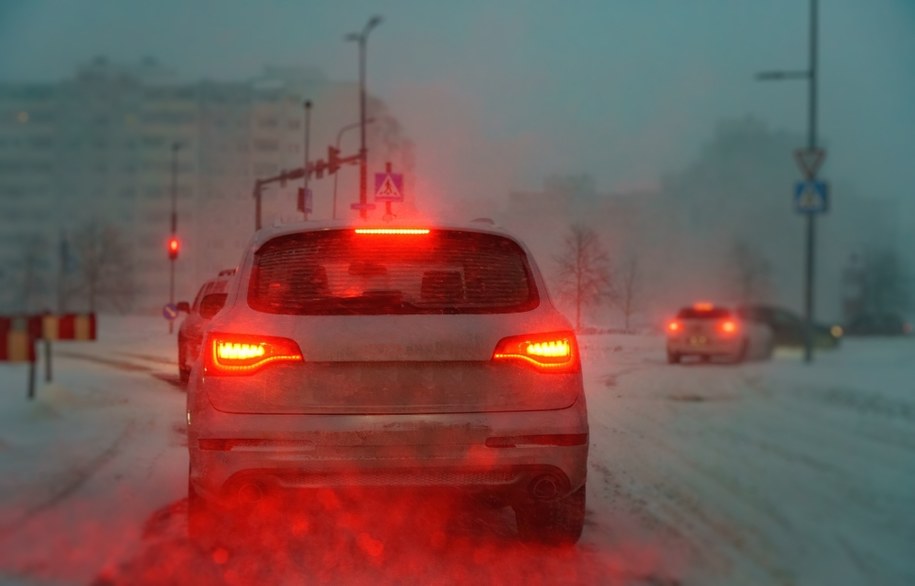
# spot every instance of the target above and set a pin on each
(250, 492)
(545, 487)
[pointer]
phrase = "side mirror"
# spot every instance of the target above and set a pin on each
(184, 306)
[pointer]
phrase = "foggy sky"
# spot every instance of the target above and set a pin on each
(498, 94)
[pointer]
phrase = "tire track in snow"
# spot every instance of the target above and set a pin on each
(817, 462)
(118, 364)
(73, 480)
(677, 499)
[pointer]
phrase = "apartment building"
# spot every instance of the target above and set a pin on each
(116, 144)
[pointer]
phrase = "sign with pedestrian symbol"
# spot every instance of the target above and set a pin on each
(388, 186)
(811, 197)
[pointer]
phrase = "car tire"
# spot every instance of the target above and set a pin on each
(673, 357)
(184, 373)
(200, 517)
(558, 522)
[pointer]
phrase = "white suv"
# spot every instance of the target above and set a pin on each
(390, 356)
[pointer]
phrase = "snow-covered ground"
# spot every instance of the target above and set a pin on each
(763, 473)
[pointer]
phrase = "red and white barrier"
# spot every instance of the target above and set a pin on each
(69, 326)
(16, 342)
(18, 335)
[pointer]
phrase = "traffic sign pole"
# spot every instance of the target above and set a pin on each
(809, 163)
(47, 361)
(810, 272)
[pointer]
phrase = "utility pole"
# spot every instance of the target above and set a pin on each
(361, 39)
(810, 248)
(810, 74)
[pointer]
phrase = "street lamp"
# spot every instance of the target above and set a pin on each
(176, 146)
(810, 74)
(361, 39)
(339, 137)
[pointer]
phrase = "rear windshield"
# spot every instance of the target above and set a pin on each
(219, 285)
(693, 313)
(339, 272)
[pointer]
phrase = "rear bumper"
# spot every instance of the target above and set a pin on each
(684, 346)
(514, 455)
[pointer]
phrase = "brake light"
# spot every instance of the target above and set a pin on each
(397, 231)
(673, 326)
(728, 326)
(550, 352)
(245, 354)
(703, 306)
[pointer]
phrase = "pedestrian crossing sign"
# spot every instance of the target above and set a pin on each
(811, 197)
(388, 187)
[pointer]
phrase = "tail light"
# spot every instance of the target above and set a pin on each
(551, 352)
(228, 354)
(673, 327)
(728, 326)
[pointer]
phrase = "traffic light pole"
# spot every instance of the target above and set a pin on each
(305, 163)
(318, 168)
(171, 260)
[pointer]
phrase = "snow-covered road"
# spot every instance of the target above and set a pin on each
(767, 473)
(764, 473)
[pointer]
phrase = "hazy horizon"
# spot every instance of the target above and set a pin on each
(625, 91)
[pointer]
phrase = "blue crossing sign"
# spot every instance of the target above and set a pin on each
(811, 197)
(170, 311)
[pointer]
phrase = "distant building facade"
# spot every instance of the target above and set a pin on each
(99, 148)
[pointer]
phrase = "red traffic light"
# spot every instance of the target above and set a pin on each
(173, 247)
(333, 159)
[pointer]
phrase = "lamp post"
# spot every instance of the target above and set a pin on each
(810, 74)
(361, 39)
(176, 146)
(339, 137)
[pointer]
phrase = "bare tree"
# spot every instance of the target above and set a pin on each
(884, 285)
(750, 273)
(627, 278)
(104, 266)
(32, 276)
(584, 270)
